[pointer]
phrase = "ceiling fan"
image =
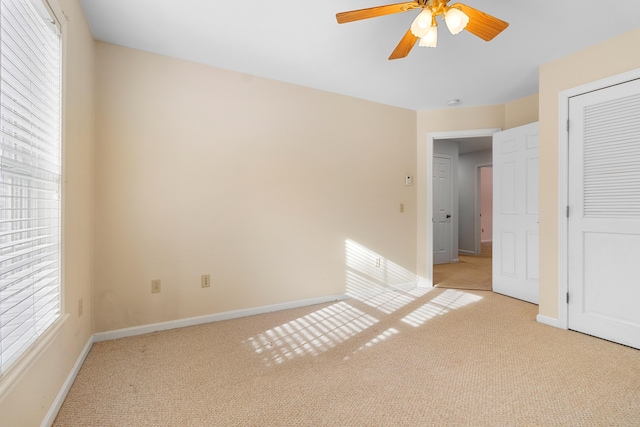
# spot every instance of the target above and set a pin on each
(458, 17)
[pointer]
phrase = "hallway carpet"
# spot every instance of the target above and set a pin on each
(473, 272)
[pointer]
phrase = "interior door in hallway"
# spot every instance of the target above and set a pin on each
(442, 209)
(515, 212)
(604, 213)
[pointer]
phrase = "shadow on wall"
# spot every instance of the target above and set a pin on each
(382, 286)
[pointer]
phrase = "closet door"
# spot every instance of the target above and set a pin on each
(604, 213)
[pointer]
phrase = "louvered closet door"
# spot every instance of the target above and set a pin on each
(604, 219)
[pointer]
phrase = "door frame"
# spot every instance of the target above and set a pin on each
(431, 137)
(563, 188)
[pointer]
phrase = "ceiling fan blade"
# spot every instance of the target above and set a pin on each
(372, 12)
(405, 46)
(481, 24)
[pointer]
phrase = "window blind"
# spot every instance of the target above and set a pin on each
(30, 182)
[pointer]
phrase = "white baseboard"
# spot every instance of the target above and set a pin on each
(549, 321)
(404, 287)
(466, 252)
(424, 283)
(363, 293)
(62, 394)
(486, 241)
(181, 323)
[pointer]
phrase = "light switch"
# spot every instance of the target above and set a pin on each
(407, 180)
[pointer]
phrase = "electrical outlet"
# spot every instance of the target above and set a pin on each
(377, 262)
(80, 307)
(205, 280)
(156, 286)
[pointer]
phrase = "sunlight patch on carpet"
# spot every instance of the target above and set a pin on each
(380, 338)
(312, 334)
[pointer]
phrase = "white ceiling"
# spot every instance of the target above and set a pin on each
(300, 42)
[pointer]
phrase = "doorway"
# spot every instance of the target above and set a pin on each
(469, 265)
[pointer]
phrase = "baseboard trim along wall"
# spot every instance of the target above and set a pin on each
(62, 394)
(465, 252)
(228, 315)
(424, 283)
(549, 321)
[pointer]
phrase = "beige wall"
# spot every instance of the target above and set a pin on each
(521, 111)
(612, 57)
(27, 402)
(259, 183)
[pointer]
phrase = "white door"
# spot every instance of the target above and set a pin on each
(604, 213)
(515, 212)
(442, 210)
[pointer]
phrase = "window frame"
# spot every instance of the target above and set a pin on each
(12, 372)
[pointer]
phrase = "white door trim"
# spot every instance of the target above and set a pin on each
(431, 137)
(563, 182)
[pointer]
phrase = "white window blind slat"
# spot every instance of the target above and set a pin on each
(10, 148)
(22, 168)
(30, 165)
(14, 283)
(30, 265)
(20, 76)
(18, 254)
(612, 158)
(27, 297)
(25, 301)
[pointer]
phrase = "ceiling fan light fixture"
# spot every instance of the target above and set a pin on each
(458, 17)
(430, 39)
(421, 25)
(456, 20)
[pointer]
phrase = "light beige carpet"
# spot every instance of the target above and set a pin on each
(473, 272)
(435, 357)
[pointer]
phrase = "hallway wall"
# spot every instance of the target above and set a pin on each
(467, 175)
